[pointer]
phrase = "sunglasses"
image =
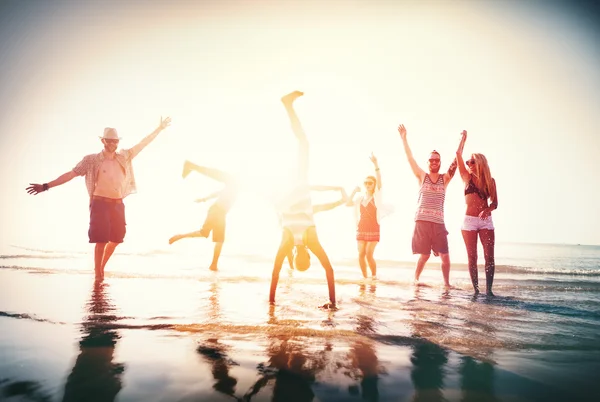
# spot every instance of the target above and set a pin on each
(112, 141)
(434, 160)
(369, 183)
(470, 162)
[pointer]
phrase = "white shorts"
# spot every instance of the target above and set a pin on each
(475, 223)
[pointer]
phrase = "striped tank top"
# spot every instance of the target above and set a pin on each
(297, 215)
(430, 206)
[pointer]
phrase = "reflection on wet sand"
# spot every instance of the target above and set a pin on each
(428, 358)
(31, 390)
(364, 366)
(477, 380)
(94, 376)
(215, 353)
(291, 368)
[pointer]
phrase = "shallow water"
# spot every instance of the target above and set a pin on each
(164, 330)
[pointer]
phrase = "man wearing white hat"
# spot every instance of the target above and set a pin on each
(109, 179)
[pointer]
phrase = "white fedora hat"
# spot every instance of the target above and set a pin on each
(110, 134)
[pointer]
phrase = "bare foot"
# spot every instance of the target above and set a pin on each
(174, 239)
(291, 97)
(328, 306)
(213, 268)
(186, 169)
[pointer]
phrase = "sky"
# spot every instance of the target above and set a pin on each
(522, 78)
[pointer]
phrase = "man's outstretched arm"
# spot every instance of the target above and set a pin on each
(164, 123)
(35, 188)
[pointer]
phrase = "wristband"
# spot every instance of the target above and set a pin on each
(377, 169)
(45, 186)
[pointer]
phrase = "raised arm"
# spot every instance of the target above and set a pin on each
(288, 101)
(418, 172)
(331, 205)
(377, 170)
(164, 123)
(209, 197)
(452, 168)
(464, 174)
(35, 189)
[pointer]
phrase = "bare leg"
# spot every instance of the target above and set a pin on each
(370, 259)
(290, 258)
(98, 255)
(314, 245)
(445, 257)
(470, 237)
(362, 253)
(285, 248)
(216, 254)
(288, 100)
(488, 240)
(213, 173)
(197, 233)
(420, 265)
(108, 252)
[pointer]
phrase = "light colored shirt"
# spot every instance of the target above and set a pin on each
(90, 164)
(430, 206)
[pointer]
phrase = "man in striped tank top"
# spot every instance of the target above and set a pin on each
(296, 215)
(430, 232)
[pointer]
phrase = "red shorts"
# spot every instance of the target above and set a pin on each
(107, 220)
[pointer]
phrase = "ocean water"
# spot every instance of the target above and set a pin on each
(162, 327)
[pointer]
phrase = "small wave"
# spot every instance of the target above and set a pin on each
(39, 250)
(33, 256)
(22, 316)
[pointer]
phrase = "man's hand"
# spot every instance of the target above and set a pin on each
(35, 189)
(164, 123)
(402, 131)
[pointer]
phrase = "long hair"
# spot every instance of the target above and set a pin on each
(483, 177)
